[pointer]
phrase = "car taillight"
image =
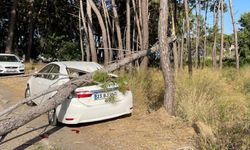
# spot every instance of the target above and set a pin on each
(83, 94)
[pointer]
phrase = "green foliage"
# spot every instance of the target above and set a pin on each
(101, 77)
(111, 100)
(107, 80)
(244, 40)
(58, 47)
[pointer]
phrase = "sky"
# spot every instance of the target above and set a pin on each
(239, 7)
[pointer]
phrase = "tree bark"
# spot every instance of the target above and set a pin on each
(86, 33)
(31, 30)
(118, 29)
(128, 31)
(182, 44)
(190, 69)
(175, 53)
(222, 32)
(9, 42)
(165, 62)
(106, 16)
(104, 31)
(215, 15)
(81, 39)
(91, 35)
(137, 23)
(235, 35)
(205, 33)
(197, 41)
(145, 34)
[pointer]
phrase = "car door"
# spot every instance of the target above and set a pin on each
(37, 79)
(51, 80)
(44, 80)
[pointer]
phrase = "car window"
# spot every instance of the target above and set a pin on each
(55, 70)
(72, 72)
(45, 70)
(6, 58)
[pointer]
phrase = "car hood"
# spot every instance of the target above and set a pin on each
(10, 63)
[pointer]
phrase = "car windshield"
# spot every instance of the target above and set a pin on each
(6, 58)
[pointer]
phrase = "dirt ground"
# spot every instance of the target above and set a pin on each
(140, 131)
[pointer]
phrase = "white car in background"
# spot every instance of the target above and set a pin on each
(10, 64)
(85, 104)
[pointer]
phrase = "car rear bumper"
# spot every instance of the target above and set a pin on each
(74, 112)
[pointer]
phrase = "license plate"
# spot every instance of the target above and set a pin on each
(99, 96)
(11, 70)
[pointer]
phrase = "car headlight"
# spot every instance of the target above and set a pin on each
(21, 66)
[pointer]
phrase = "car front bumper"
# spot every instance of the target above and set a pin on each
(4, 71)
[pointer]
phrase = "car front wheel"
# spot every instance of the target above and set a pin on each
(52, 118)
(26, 95)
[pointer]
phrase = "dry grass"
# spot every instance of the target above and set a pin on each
(218, 99)
(148, 88)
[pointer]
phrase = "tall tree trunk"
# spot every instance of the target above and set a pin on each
(91, 35)
(137, 22)
(182, 44)
(128, 31)
(197, 41)
(106, 16)
(145, 34)
(9, 42)
(222, 32)
(205, 33)
(215, 15)
(175, 53)
(165, 62)
(31, 30)
(85, 27)
(104, 32)
(81, 39)
(190, 69)
(118, 29)
(235, 35)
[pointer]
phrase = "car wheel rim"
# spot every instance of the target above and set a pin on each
(51, 116)
(27, 94)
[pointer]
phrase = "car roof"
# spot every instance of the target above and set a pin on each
(81, 65)
(3, 54)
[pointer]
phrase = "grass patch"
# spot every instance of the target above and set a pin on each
(147, 88)
(218, 99)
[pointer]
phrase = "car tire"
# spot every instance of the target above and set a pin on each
(26, 95)
(52, 118)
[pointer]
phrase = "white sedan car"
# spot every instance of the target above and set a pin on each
(11, 64)
(85, 104)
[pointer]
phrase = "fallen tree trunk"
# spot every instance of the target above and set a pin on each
(13, 122)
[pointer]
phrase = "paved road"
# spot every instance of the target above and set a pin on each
(5, 96)
(30, 136)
